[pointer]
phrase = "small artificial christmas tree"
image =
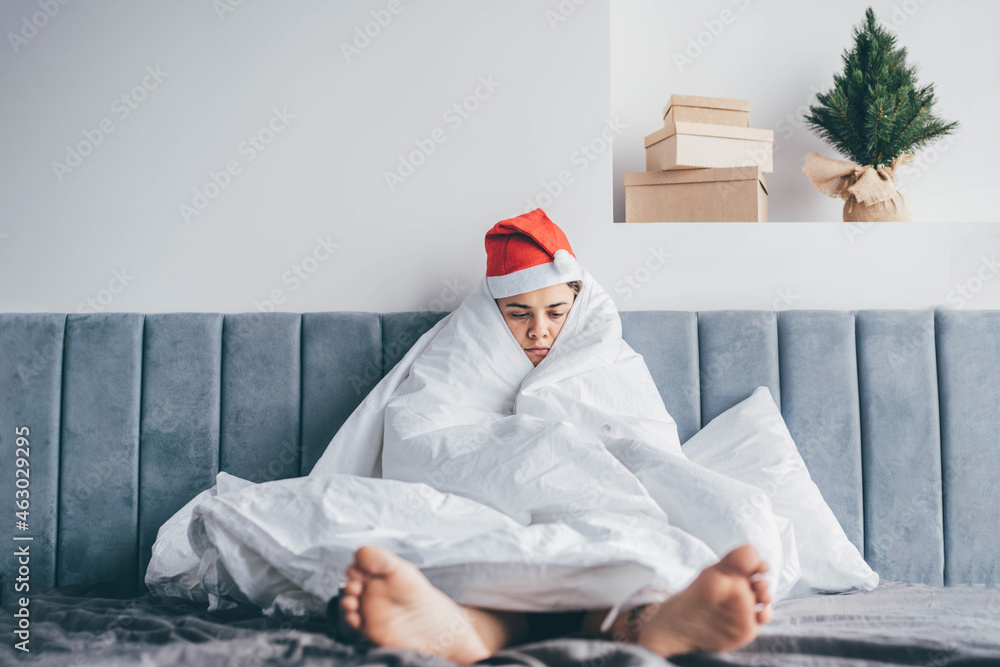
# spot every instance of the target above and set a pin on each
(875, 114)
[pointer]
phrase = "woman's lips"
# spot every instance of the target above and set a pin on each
(538, 350)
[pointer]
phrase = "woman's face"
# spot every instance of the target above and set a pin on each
(535, 318)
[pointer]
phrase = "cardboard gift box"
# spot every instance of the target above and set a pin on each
(713, 110)
(702, 145)
(734, 194)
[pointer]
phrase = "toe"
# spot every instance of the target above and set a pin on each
(349, 603)
(353, 619)
(353, 573)
(354, 587)
(764, 615)
(760, 591)
(375, 561)
(742, 560)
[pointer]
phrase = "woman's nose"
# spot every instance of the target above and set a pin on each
(538, 331)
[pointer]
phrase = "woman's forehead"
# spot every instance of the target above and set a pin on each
(547, 297)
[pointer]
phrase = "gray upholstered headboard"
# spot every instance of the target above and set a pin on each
(897, 414)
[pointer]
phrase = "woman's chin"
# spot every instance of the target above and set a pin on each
(535, 357)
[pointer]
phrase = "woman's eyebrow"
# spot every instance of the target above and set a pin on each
(521, 305)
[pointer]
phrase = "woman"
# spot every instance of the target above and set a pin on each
(517, 461)
(393, 604)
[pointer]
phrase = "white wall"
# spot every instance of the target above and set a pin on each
(323, 175)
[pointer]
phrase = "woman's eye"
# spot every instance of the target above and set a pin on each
(554, 315)
(519, 317)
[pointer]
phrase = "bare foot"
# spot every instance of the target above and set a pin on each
(720, 610)
(393, 604)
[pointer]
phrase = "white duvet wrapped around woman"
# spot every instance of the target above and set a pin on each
(510, 483)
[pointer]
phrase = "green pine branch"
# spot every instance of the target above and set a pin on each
(875, 111)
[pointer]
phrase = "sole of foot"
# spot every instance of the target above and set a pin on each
(721, 610)
(389, 601)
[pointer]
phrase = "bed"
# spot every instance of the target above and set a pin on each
(128, 416)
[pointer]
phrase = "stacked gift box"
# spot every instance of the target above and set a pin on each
(706, 165)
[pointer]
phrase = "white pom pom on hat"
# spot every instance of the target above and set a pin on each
(564, 261)
(526, 253)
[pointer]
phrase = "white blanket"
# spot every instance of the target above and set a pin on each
(561, 486)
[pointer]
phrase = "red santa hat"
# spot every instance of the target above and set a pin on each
(526, 253)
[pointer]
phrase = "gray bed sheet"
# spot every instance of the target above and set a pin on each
(898, 624)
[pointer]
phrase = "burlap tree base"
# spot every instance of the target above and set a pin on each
(869, 194)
